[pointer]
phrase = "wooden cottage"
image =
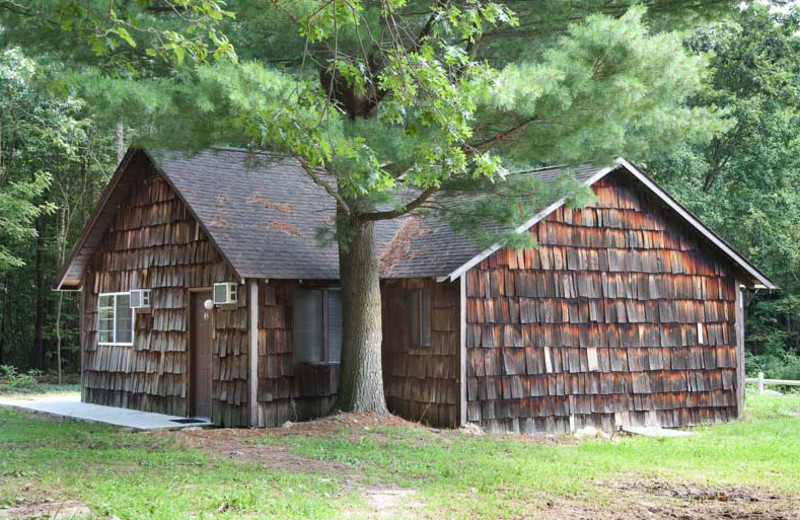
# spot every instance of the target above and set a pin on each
(628, 312)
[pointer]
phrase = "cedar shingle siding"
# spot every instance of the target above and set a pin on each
(421, 383)
(288, 391)
(626, 313)
(619, 280)
(154, 243)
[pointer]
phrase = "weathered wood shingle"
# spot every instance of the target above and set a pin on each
(154, 242)
(599, 324)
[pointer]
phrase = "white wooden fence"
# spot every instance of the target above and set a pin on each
(774, 382)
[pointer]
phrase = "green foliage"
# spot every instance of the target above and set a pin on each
(334, 82)
(17, 213)
(53, 164)
(126, 34)
(606, 89)
(745, 183)
(18, 195)
(387, 114)
(11, 380)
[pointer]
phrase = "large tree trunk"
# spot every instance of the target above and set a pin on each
(361, 384)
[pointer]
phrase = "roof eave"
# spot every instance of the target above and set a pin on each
(523, 227)
(98, 210)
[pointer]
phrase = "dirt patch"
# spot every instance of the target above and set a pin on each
(390, 503)
(355, 426)
(239, 445)
(253, 445)
(53, 510)
(733, 494)
(657, 500)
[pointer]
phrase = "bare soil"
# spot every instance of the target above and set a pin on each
(381, 502)
(49, 510)
(660, 500)
(243, 445)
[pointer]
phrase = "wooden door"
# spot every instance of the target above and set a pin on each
(200, 356)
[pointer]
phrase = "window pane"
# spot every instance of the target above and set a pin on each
(425, 318)
(307, 326)
(124, 319)
(334, 327)
(106, 319)
(413, 310)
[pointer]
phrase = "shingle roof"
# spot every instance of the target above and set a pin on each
(261, 210)
(265, 215)
(435, 249)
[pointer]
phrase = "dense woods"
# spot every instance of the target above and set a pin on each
(54, 162)
(745, 182)
(62, 128)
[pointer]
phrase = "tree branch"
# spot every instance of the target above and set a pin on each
(398, 212)
(326, 186)
(14, 7)
(504, 134)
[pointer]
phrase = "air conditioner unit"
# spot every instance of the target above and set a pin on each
(225, 293)
(140, 299)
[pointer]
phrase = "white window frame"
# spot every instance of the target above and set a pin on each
(114, 321)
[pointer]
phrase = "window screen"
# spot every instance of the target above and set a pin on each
(115, 319)
(334, 327)
(317, 321)
(420, 318)
(124, 319)
(307, 328)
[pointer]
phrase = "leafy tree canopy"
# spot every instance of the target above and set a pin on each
(396, 106)
(28, 126)
(745, 183)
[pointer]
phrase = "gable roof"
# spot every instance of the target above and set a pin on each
(264, 215)
(261, 211)
(435, 249)
(752, 276)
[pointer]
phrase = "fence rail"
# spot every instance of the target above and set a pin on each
(773, 382)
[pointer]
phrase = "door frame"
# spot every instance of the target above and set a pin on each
(190, 408)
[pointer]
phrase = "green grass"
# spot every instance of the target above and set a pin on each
(141, 476)
(488, 476)
(38, 390)
(138, 476)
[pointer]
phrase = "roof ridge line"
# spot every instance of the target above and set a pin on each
(247, 151)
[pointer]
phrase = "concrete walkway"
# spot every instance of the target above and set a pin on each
(69, 406)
